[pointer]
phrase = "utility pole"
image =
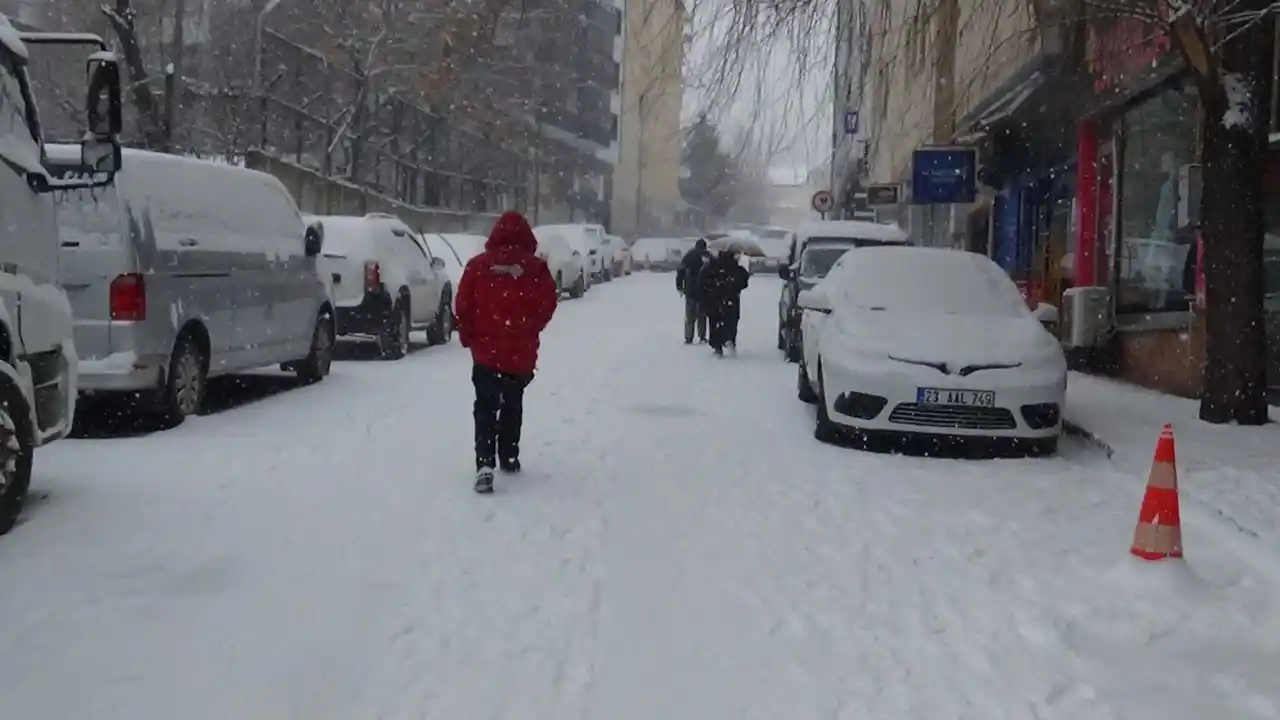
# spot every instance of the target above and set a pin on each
(640, 122)
(173, 74)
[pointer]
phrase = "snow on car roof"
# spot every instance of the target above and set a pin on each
(851, 229)
(11, 39)
(892, 276)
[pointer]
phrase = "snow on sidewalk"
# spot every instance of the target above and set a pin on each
(1227, 471)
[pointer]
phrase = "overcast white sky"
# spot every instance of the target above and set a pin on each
(789, 120)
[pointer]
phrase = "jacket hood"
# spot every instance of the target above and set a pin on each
(511, 231)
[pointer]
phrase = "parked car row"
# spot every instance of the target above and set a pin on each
(580, 255)
(903, 342)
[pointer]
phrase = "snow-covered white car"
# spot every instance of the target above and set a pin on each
(649, 253)
(615, 257)
(440, 247)
(588, 240)
(563, 260)
(466, 246)
(909, 340)
(385, 282)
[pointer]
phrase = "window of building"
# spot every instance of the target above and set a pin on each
(1158, 139)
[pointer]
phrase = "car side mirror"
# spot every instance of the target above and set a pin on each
(784, 272)
(1046, 313)
(314, 240)
(437, 263)
(815, 300)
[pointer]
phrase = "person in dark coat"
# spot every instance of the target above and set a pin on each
(722, 286)
(689, 284)
(505, 299)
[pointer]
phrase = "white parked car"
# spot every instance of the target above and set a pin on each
(440, 247)
(386, 282)
(649, 253)
(911, 340)
(588, 240)
(565, 262)
(466, 246)
(614, 257)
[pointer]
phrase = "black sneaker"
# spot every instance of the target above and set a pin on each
(688, 341)
(719, 352)
(510, 466)
(484, 480)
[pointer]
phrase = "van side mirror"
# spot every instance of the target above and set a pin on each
(314, 240)
(437, 263)
(100, 149)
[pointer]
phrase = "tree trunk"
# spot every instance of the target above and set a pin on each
(122, 18)
(1235, 152)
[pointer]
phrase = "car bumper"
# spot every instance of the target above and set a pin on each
(122, 372)
(368, 317)
(1027, 405)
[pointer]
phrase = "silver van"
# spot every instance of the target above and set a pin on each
(185, 270)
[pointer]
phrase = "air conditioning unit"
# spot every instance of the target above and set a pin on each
(1086, 319)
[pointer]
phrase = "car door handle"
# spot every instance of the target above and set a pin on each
(188, 242)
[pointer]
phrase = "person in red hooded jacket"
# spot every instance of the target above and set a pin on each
(505, 300)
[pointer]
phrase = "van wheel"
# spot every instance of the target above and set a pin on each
(579, 288)
(188, 376)
(393, 342)
(559, 283)
(315, 367)
(17, 450)
(441, 330)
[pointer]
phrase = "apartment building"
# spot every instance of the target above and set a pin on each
(646, 182)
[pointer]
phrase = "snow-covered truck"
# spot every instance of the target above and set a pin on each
(37, 354)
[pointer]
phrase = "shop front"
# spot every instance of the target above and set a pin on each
(1026, 143)
(1134, 233)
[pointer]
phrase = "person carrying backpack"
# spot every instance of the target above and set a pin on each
(505, 299)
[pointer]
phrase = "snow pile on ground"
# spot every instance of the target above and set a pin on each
(1226, 471)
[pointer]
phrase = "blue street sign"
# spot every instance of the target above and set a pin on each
(851, 122)
(944, 175)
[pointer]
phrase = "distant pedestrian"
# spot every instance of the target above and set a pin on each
(689, 284)
(505, 299)
(722, 285)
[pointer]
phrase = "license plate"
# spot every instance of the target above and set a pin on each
(968, 398)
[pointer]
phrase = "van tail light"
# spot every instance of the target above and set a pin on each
(129, 297)
(372, 277)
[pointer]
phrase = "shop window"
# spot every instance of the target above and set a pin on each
(1150, 267)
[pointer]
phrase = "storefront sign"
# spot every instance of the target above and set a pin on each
(944, 175)
(1126, 53)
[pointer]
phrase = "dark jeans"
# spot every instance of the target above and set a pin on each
(694, 318)
(724, 323)
(499, 413)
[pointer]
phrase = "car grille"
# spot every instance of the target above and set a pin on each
(952, 416)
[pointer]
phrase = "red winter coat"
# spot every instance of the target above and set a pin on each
(505, 299)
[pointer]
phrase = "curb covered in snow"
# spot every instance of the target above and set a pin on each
(1083, 433)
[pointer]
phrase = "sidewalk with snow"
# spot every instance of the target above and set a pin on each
(1226, 470)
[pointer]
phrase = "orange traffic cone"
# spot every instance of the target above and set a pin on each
(1158, 534)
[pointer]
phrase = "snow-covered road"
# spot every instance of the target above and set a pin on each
(679, 547)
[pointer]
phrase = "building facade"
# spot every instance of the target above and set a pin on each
(646, 181)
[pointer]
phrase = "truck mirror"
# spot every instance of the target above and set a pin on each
(105, 114)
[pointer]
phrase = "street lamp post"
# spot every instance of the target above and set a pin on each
(258, 92)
